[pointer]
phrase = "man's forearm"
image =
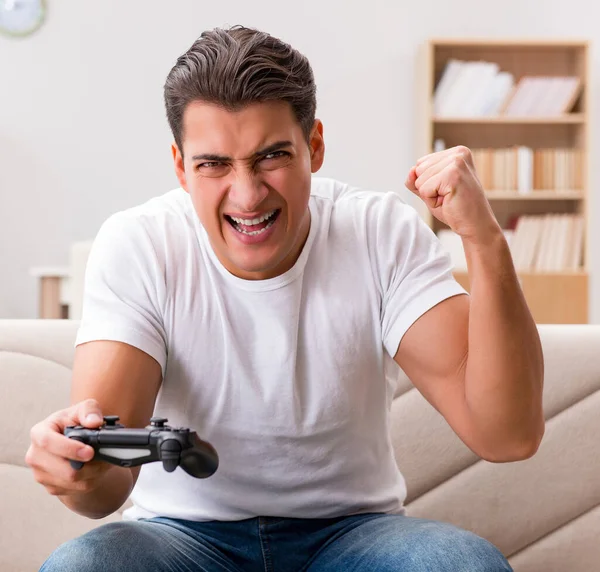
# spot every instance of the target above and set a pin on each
(504, 370)
(106, 499)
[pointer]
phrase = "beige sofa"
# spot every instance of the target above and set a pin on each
(543, 513)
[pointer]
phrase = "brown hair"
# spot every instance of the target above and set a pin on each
(236, 67)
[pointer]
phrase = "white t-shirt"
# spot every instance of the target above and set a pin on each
(286, 377)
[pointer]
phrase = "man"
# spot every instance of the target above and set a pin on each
(262, 307)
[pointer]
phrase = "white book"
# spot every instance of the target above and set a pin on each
(549, 228)
(513, 171)
(529, 241)
(568, 261)
(500, 89)
(449, 75)
(452, 244)
(558, 238)
(576, 254)
(566, 242)
(474, 103)
(527, 97)
(517, 243)
(544, 244)
(555, 240)
(545, 103)
(565, 95)
(524, 170)
(453, 104)
(536, 92)
(515, 105)
(534, 241)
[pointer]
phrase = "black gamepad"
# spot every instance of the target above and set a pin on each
(114, 443)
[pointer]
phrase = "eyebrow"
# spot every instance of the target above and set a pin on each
(261, 153)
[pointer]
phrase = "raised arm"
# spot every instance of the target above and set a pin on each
(478, 358)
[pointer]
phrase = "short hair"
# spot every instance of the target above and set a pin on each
(236, 67)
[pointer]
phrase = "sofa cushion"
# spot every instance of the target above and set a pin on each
(33, 388)
(572, 547)
(49, 339)
(528, 499)
(34, 523)
(428, 452)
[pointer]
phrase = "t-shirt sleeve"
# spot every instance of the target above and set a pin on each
(414, 270)
(124, 289)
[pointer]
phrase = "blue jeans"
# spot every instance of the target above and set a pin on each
(365, 543)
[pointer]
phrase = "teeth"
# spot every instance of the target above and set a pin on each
(251, 221)
(255, 232)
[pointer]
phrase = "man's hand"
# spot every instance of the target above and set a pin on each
(50, 451)
(446, 181)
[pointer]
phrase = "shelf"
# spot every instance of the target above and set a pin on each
(509, 43)
(553, 297)
(535, 196)
(533, 273)
(568, 118)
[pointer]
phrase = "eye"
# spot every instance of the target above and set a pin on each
(276, 155)
(212, 169)
(274, 160)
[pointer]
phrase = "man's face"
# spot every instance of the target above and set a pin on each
(248, 173)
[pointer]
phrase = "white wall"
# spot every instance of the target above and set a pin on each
(82, 125)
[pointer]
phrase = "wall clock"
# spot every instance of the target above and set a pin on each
(21, 17)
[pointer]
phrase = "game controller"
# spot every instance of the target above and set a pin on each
(174, 446)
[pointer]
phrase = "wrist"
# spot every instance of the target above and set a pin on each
(489, 255)
(485, 237)
(110, 493)
(487, 244)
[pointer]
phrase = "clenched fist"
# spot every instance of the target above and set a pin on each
(446, 181)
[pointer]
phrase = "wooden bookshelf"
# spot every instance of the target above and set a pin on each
(567, 118)
(553, 297)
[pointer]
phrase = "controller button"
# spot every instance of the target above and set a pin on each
(158, 421)
(111, 420)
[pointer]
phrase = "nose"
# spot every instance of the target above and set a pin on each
(247, 192)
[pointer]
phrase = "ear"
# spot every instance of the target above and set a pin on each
(179, 167)
(317, 146)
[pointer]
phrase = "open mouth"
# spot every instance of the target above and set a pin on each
(255, 226)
